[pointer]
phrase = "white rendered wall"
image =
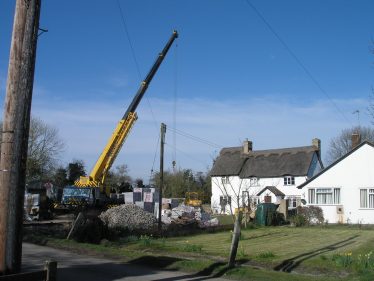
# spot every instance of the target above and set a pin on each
(352, 173)
(244, 184)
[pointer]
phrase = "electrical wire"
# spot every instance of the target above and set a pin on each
(129, 39)
(135, 60)
(186, 154)
(195, 138)
(174, 156)
(298, 61)
(154, 158)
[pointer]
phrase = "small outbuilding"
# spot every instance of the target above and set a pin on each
(270, 194)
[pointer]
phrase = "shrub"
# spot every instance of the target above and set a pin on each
(308, 215)
(298, 220)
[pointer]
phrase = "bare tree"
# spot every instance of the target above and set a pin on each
(371, 106)
(119, 179)
(44, 148)
(233, 190)
(342, 144)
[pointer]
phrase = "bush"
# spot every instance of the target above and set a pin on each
(298, 220)
(308, 215)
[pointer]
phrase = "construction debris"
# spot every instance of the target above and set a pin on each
(185, 215)
(128, 216)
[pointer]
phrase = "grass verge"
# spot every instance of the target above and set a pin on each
(311, 253)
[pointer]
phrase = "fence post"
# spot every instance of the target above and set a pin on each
(51, 268)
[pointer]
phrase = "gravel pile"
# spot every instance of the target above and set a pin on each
(128, 216)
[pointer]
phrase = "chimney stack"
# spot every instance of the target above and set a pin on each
(247, 146)
(356, 140)
(317, 144)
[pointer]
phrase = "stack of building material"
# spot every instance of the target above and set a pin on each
(148, 197)
(140, 204)
(128, 216)
(129, 197)
(149, 207)
(121, 197)
(138, 196)
(156, 210)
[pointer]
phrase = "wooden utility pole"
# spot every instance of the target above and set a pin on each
(16, 122)
(163, 130)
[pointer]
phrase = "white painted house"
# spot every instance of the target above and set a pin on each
(246, 171)
(345, 189)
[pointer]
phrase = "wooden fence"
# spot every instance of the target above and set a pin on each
(48, 274)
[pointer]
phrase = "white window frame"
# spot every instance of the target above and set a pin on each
(293, 199)
(225, 197)
(367, 198)
(253, 182)
(324, 196)
(289, 180)
(225, 180)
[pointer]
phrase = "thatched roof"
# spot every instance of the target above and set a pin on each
(228, 163)
(293, 161)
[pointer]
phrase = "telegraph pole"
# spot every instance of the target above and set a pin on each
(163, 130)
(16, 122)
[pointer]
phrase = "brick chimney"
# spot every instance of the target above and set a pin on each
(317, 144)
(247, 146)
(356, 140)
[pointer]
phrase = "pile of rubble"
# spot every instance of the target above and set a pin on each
(185, 215)
(128, 216)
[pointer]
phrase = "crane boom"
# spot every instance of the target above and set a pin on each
(111, 150)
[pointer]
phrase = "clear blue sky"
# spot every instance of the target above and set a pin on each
(232, 76)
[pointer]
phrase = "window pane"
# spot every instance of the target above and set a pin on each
(311, 196)
(371, 200)
(336, 196)
(363, 198)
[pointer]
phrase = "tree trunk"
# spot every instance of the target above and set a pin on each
(235, 239)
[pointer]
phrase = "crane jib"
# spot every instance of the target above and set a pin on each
(144, 85)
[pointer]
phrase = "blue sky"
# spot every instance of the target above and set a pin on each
(229, 77)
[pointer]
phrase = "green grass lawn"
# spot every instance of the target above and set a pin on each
(311, 253)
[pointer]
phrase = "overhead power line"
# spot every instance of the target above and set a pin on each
(186, 154)
(134, 57)
(195, 138)
(298, 61)
(129, 39)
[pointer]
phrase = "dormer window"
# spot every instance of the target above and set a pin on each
(253, 182)
(289, 180)
(225, 180)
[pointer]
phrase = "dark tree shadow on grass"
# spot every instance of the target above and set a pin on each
(290, 264)
(207, 273)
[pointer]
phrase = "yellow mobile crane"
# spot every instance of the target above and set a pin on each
(91, 189)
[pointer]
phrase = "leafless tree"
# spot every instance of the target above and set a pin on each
(44, 148)
(342, 144)
(371, 106)
(234, 187)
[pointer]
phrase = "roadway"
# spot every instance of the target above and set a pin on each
(73, 267)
